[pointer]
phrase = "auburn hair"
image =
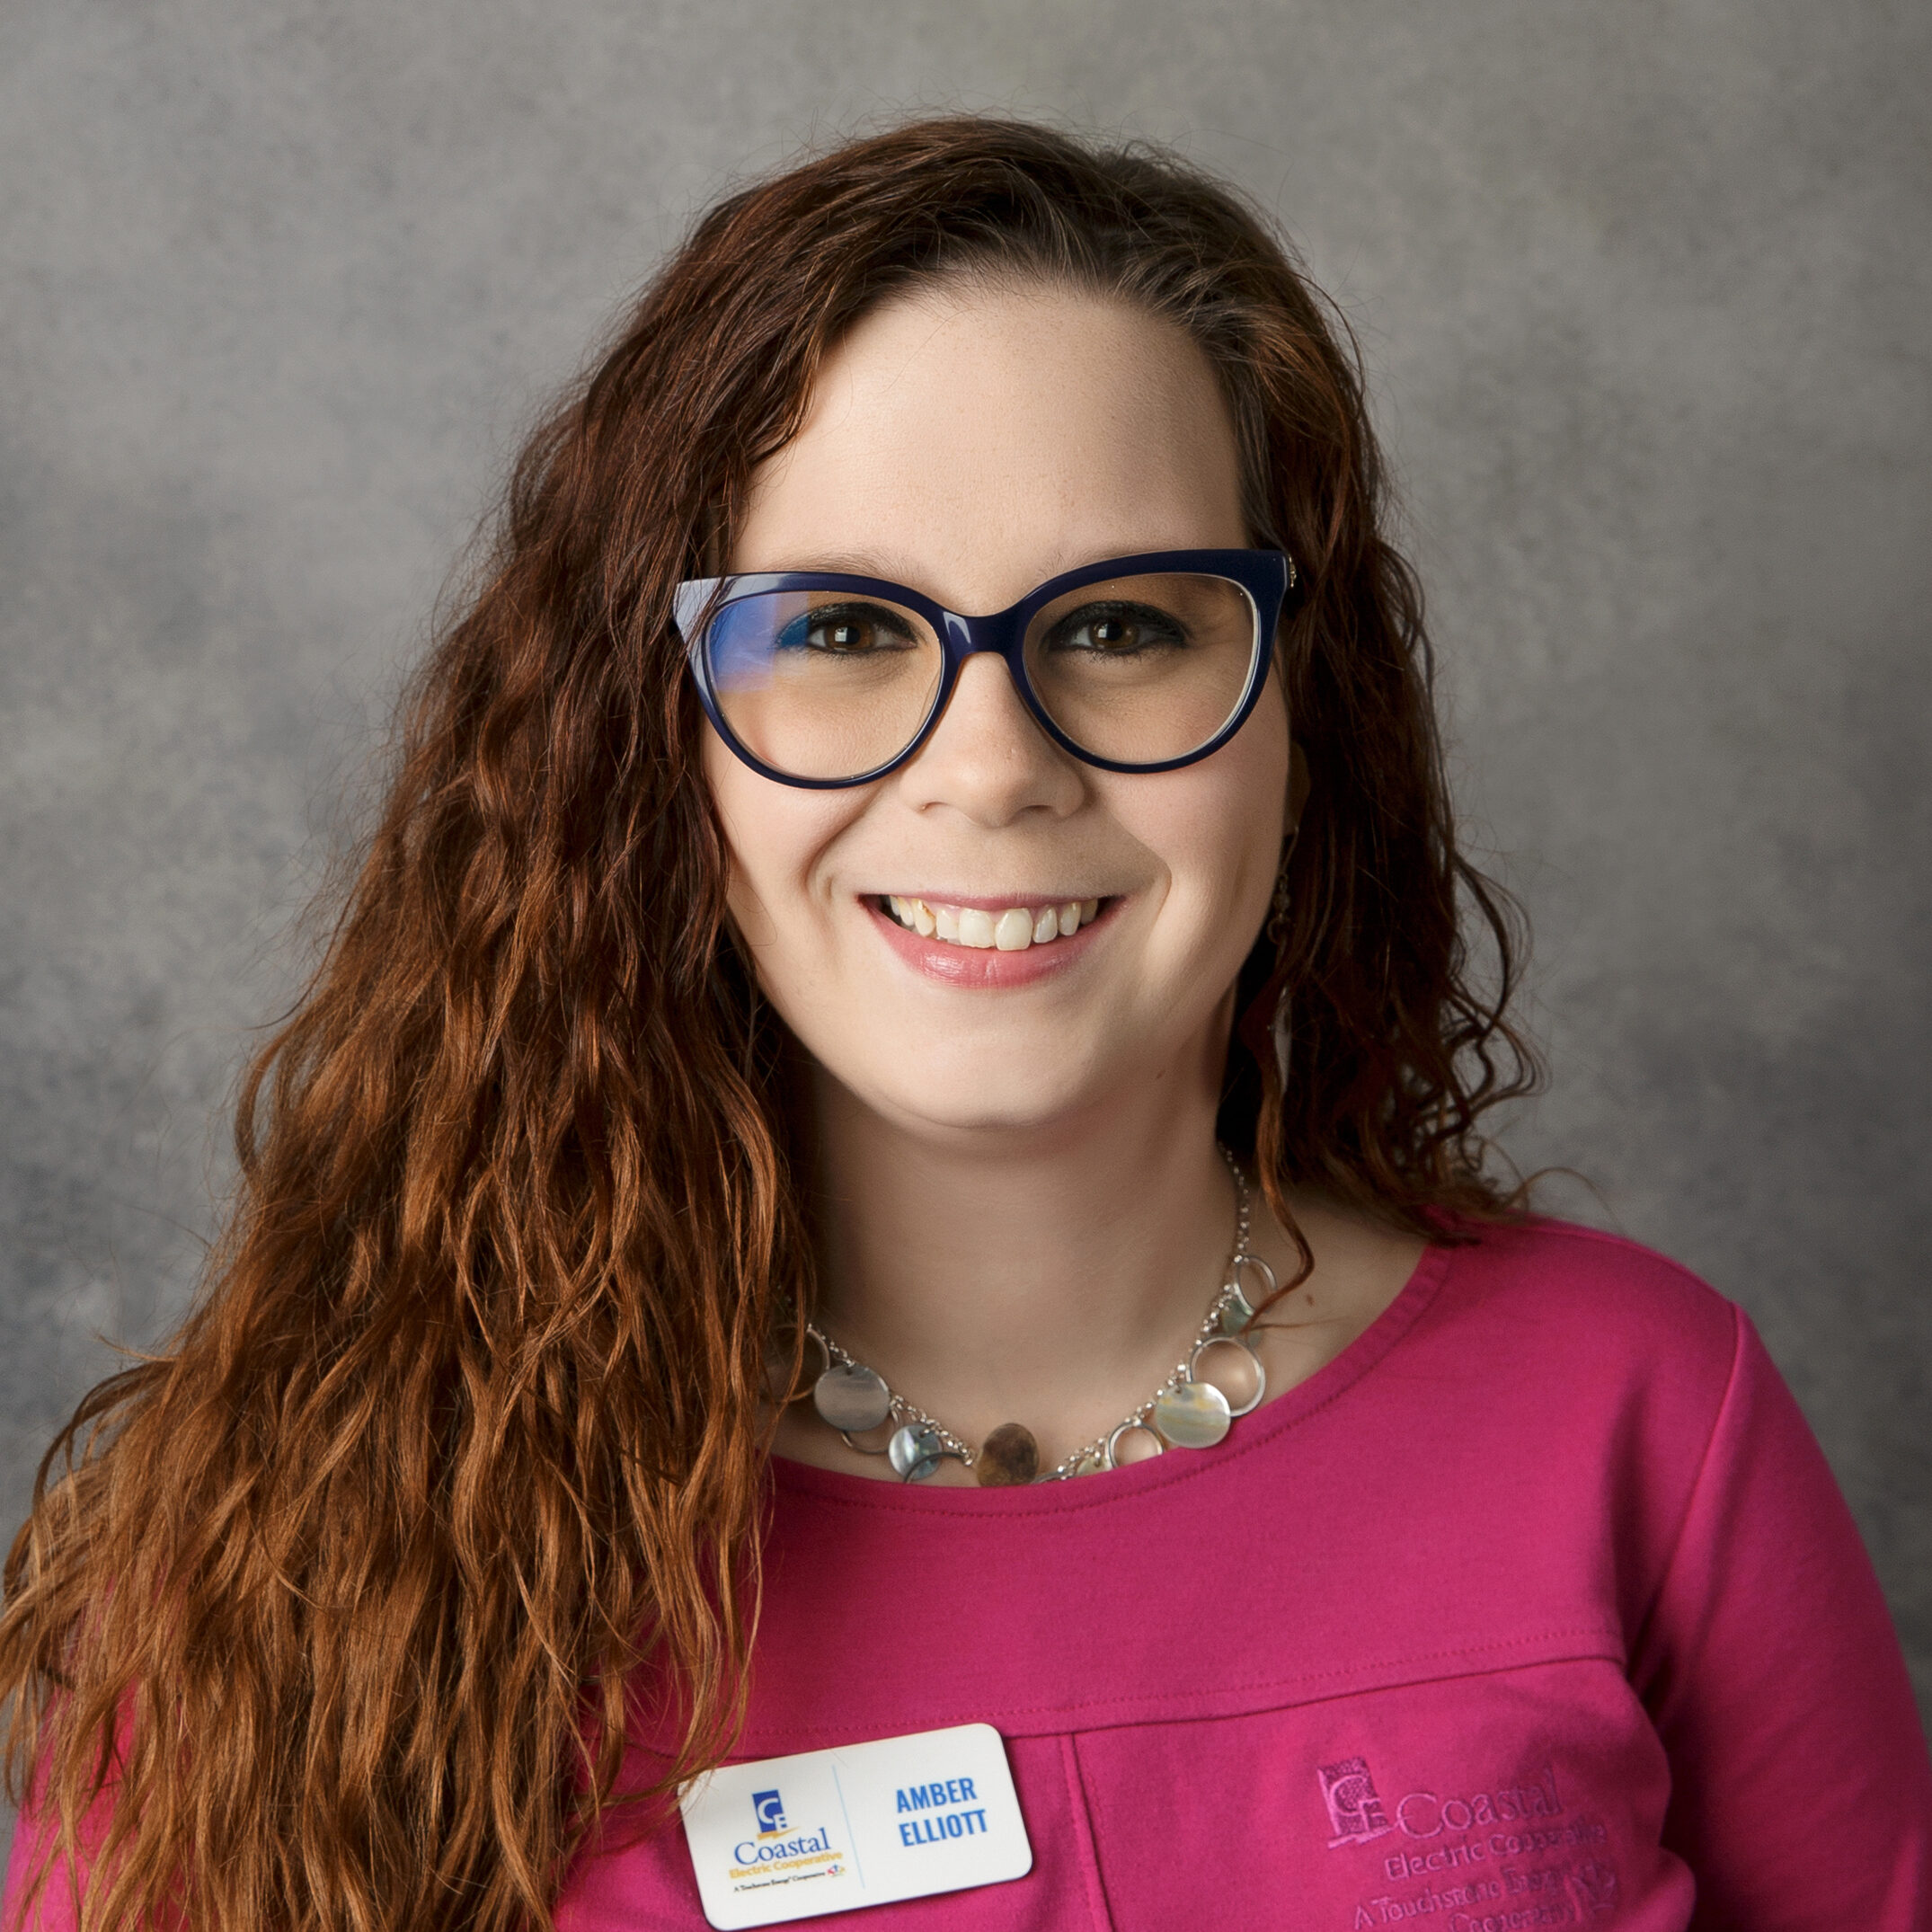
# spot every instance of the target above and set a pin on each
(332, 1613)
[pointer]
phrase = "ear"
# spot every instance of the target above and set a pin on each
(1299, 782)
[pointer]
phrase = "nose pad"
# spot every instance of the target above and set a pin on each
(968, 638)
(986, 754)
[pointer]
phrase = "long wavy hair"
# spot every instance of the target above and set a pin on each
(332, 1614)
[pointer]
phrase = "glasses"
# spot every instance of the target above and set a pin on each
(1137, 664)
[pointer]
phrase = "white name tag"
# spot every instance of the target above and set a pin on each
(864, 1824)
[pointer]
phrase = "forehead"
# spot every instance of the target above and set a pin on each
(972, 441)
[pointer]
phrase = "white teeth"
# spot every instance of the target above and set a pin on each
(1011, 929)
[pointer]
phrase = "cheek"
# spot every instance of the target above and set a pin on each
(775, 835)
(1225, 871)
(1258, 778)
(1217, 826)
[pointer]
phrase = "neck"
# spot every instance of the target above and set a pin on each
(1051, 1276)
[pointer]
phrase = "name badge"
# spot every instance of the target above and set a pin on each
(863, 1824)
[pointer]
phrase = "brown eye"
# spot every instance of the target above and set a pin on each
(1117, 631)
(846, 630)
(847, 634)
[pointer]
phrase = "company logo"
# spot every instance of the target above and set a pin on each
(1355, 1813)
(774, 1848)
(1452, 1830)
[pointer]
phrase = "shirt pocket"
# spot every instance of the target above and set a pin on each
(1490, 1802)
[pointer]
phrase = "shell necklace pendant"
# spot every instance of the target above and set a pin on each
(1188, 1411)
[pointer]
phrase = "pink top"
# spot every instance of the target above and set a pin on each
(1537, 1606)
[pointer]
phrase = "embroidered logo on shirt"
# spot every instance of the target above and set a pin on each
(1355, 1813)
(769, 1808)
(1358, 1813)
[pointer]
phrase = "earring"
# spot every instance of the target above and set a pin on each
(1279, 1035)
(1276, 928)
(1264, 1028)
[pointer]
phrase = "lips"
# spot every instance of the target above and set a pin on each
(981, 957)
(1009, 928)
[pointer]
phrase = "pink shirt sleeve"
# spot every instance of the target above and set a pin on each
(53, 1908)
(1803, 1794)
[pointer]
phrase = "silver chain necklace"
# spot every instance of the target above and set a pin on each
(1185, 1411)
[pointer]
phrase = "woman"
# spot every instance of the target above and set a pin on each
(804, 1064)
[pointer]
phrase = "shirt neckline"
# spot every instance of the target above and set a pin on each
(1333, 1379)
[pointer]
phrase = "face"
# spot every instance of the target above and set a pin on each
(972, 443)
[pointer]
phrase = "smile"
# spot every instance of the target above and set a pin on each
(988, 929)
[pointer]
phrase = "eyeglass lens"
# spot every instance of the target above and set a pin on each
(1137, 671)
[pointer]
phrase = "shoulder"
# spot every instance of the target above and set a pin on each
(1564, 1273)
(1586, 1310)
(1604, 1381)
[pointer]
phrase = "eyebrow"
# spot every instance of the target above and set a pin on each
(855, 563)
(848, 564)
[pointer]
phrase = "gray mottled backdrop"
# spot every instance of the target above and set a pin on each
(1644, 288)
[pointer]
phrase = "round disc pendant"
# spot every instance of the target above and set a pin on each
(1008, 1455)
(1237, 1362)
(1194, 1416)
(853, 1399)
(915, 1452)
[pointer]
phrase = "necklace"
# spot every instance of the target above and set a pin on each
(1187, 1411)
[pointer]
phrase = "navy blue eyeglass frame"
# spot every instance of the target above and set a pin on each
(1267, 575)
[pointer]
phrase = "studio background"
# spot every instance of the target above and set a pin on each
(1642, 292)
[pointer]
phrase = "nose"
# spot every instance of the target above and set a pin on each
(988, 759)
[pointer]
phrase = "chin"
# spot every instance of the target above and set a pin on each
(990, 1099)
